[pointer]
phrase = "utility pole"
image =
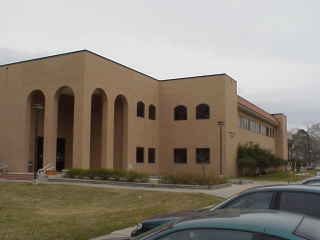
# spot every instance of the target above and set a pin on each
(221, 124)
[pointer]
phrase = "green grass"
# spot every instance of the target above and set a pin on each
(282, 176)
(74, 212)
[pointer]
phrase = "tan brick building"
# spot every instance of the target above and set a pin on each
(82, 110)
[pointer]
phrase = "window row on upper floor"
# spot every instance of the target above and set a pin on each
(141, 110)
(180, 111)
(257, 127)
(202, 112)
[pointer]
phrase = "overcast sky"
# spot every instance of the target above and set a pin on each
(270, 47)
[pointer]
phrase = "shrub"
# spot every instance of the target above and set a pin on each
(107, 174)
(253, 159)
(191, 179)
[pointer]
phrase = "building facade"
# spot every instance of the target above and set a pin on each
(82, 110)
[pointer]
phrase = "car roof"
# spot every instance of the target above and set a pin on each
(311, 178)
(273, 222)
(290, 187)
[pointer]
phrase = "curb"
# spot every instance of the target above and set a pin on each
(132, 184)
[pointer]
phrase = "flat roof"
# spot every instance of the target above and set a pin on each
(246, 103)
(241, 100)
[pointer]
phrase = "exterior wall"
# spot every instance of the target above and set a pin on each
(282, 136)
(116, 80)
(91, 138)
(18, 81)
(246, 136)
(231, 130)
(191, 133)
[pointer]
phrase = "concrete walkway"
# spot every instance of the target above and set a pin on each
(223, 192)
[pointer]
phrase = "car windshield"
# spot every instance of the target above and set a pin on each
(309, 229)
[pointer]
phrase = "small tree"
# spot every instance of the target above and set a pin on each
(253, 159)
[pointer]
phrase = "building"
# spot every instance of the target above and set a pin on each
(82, 110)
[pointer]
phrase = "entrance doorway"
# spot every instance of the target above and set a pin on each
(39, 158)
(61, 154)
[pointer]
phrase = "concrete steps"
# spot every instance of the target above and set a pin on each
(17, 176)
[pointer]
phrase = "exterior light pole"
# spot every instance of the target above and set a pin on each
(221, 124)
(37, 109)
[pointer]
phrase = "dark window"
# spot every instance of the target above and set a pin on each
(258, 200)
(152, 112)
(313, 182)
(140, 155)
(180, 113)
(140, 109)
(300, 202)
(209, 234)
(203, 155)
(203, 111)
(180, 155)
(151, 155)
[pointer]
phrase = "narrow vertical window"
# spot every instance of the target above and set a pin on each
(151, 155)
(140, 109)
(140, 155)
(152, 112)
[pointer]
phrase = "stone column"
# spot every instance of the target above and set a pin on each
(50, 131)
(108, 145)
(81, 132)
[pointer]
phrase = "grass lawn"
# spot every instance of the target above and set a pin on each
(283, 176)
(74, 212)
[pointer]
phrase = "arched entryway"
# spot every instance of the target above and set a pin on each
(98, 128)
(120, 132)
(65, 101)
(36, 108)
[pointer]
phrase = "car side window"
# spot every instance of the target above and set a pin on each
(313, 182)
(209, 234)
(258, 200)
(300, 202)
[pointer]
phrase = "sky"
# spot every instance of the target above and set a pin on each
(270, 47)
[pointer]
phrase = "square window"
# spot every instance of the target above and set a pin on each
(203, 155)
(151, 155)
(140, 154)
(180, 155)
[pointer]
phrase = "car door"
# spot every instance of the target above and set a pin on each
(254, 200)
(212, 234)
(299, 202)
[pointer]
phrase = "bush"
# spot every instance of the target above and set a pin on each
(107, 174)
(253, 159)
(191, 179)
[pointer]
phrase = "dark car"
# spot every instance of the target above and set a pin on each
(302, 199)
(236, 224)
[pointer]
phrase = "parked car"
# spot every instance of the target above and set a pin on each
(302, 199)
(235, 224)
(312, 181)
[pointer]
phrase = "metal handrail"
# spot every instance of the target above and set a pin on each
(3, 167)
